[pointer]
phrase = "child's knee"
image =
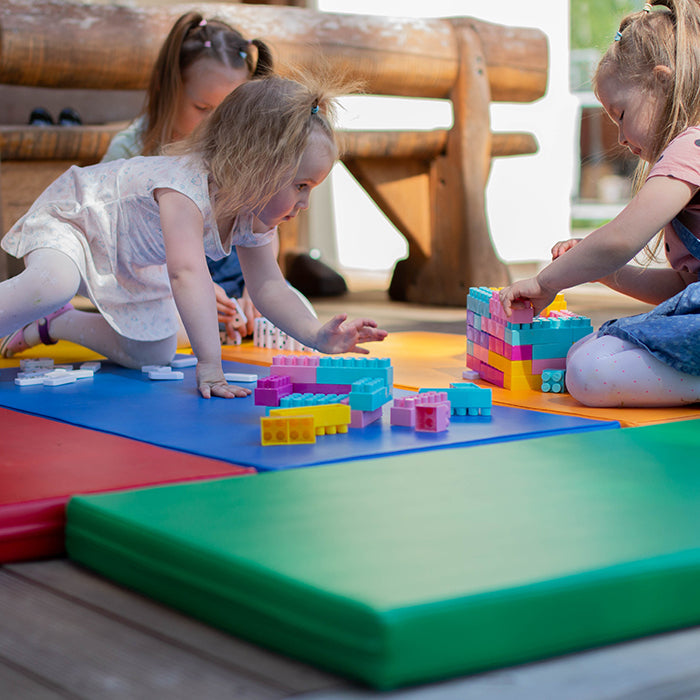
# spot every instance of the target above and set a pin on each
(137, 353)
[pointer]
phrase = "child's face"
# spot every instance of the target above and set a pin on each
(635, 112)
(205, 84)
(315, 165)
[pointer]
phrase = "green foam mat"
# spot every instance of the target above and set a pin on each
(421, 566)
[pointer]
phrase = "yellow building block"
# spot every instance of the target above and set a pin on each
(329, 419)
(510, 368)
(285, 430)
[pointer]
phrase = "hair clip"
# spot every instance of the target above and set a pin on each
(203, 23)
(314, 109)
(618, 36)
(207, 44)
(243, 54)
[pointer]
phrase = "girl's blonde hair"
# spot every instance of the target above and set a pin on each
(254, 140)
(191, 39)
(669, 36)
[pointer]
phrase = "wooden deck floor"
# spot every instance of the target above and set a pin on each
(67, 633)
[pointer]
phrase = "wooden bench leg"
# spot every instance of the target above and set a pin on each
(462, 253)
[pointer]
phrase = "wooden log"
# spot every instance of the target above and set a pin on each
(55, 43)
(89, 143)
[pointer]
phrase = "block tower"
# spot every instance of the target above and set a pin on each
(513, 352)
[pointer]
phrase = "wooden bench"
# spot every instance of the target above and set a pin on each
(430, 184)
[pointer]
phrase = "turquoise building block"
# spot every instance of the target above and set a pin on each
(554, 381)
(346, 370)
(369, 394)
(466, 399)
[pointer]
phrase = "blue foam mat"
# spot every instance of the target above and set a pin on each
(171, 414)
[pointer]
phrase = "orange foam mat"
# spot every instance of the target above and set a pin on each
(422, 359)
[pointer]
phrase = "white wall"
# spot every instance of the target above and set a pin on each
(528, 197)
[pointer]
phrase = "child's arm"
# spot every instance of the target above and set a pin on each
(193, 291)
(607, 249)
(277, 302)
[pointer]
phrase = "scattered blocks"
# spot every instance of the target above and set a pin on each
(267, 335)
(30, 363)
(467, 399)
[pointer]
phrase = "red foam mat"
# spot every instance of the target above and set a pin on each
(44, 462)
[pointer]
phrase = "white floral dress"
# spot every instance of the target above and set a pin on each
(107, 220)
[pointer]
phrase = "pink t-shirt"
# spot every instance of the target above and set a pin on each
(681, 160)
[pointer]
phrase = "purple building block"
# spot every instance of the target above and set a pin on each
(271, 389)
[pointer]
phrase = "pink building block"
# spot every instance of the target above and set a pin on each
(301, 368)
(403, 412)
(271, 389)
(538, 366)
(517, 352)
(517, 315)
(432, 417)
(360, 419)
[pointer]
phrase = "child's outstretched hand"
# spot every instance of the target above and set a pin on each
(339, 335)
(561, 247)
(211, 382)
(524, 293)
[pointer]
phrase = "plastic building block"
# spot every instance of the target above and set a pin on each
(271, 389)
(368, 394)
(329, 419)
(156, 368)
(554, 380)
(310, 399)
(94, 366)
(162, 374)
(243, 378)
(467, 399)
(432, 417)
(361, 419)
(38, 379)
(301, 368)
(180, 361)
(36, 363)
(285, 430)
(403, 412)
(346, 370)
(314, 388)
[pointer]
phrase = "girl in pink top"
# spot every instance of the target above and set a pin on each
(648, 84)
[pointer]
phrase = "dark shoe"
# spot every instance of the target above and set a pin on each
(40, 117)
(69, 117)
(314, 278)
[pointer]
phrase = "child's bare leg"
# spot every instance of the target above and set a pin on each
(49, 281)
(90, 330)
(609, 371)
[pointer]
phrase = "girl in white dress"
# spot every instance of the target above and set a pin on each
(133, 235)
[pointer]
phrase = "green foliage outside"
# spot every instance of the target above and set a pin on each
(594, 22)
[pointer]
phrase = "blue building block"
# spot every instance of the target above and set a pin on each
(346, 370)
(369, 394)
(467, 399)
(554, 380)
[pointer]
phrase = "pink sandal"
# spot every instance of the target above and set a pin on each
(16, 342)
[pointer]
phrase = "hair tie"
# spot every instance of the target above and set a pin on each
(618, 36)
(203, 23)
(647, 7)
(207, 44)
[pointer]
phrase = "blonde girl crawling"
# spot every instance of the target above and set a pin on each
(134, 234)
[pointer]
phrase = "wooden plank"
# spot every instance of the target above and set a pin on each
(16, 683)
(89, 653)
(54, 43)
(63, 578)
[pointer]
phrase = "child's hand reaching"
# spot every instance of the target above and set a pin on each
(211, 382)
(561, 247)
(524, 293)
(339, 336)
